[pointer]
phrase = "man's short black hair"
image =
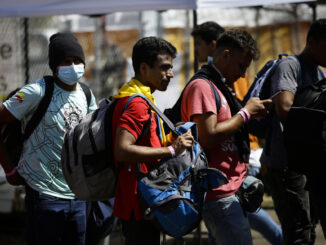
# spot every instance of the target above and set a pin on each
(148, 48)
(208, 31)
(236, 39)
(317, 29)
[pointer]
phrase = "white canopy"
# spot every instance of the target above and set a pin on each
(35, 8)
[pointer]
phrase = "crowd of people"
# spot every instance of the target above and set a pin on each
(54, 216)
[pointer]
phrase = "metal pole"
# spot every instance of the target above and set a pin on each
(297, 32)
(314, 11)
(26, 60)
(194, 12)
(187, 47)
(98, 56)
(141, 25)
(159, 27)
(257, 31)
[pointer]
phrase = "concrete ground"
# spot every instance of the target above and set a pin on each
(192, 239)
(12, 231)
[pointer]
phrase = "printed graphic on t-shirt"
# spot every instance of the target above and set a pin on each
(229, 145)
(72, 116)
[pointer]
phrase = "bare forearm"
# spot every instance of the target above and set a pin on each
(4, 160)
(126, 149)
(221, 132)
(283, 103)
(227, 129)
(136, 153)
(212, 133)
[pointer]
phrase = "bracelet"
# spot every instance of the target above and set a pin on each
(170, 147)
(12, 172)
(243, 115)
(246, 112)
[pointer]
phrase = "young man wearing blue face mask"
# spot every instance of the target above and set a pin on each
(54, 216)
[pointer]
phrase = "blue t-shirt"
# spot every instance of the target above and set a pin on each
(40, 163)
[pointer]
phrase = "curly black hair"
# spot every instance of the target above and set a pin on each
(236, 39)
(148, 48)
(208, 31)
(317, 29)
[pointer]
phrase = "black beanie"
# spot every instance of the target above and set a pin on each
(64, 45)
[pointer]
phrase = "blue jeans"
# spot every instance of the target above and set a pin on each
(265, 225)
(262, 222)
(54, 221)
(226, 222)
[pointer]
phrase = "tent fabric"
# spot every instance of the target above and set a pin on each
(38, 8)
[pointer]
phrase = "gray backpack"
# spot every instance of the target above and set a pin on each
(87, 159)
(87, 155)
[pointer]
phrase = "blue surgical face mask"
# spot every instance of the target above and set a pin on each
(71, 74)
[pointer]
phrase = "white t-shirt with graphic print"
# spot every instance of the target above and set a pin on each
(40, 163)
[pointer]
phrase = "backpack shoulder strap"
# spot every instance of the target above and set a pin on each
(87, 92)
(262, 82)
(216, 95)
(41, 109)
(149, 121)
(321, 73)
(175, 111)
(300, 72)
(157, 110)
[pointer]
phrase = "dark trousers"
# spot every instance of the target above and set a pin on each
(140, 232)
(318, 198)
(292, 205)
(54, 221)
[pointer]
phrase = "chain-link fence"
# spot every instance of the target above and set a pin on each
(108, 47)
(24, 54)
(10, 56)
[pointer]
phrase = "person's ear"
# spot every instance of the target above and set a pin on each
(212, 44)
(56, 70)
(212, 47)
(222, 58)
(312, 43)
(143, 68)
(225, 55)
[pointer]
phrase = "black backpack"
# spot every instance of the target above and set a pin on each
(261, 85)
(11, 133)
(251, 194)
(174, 113)
(305, 130)
(261, 88)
